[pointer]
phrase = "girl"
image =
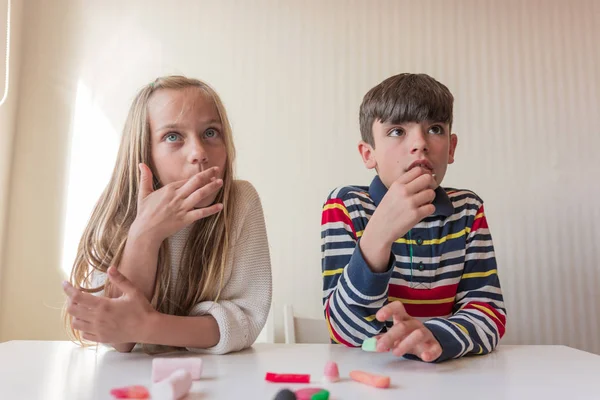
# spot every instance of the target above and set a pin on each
(176, 247)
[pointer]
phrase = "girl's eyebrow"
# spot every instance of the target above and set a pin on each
(170, 126)
(177, 126)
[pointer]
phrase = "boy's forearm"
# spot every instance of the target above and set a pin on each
(375, 249)
(200, 332)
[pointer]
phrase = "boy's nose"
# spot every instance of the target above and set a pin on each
(419, 143)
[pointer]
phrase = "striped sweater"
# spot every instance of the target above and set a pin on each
(443, 271)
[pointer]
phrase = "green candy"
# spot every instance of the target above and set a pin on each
(322, 395)
(369, 344)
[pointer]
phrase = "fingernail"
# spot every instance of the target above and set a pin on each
(65, 284)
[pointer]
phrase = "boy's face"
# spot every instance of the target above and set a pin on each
(401, 147)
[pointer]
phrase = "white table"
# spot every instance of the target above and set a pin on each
(31, 370)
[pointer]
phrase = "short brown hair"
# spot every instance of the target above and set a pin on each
(405, 98)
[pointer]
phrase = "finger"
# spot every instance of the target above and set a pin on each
(197, 181)
(425, 211)
(395, 309)
(77, 296)
(145, 183)
(420, 183)
(204, 212)
(78, 311)
(396, 333)
(89, 336)
(120, 281)
(423, 197)
(202, 193)
(409, 343)
(411, 175)
(430, 351)
(81, 325)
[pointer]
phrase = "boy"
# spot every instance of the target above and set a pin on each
(405, 259)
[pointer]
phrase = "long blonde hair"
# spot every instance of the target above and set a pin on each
(103, 241)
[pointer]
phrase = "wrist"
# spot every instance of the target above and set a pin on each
(375, 252)
(151, 323)
(138, 235)
(377, 240)
(379, 229)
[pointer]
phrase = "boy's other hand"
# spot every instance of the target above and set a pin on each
(407, 336)
(406, 203)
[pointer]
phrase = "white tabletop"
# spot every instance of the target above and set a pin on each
(60, 370)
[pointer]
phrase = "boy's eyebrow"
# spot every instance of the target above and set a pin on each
(389, 123)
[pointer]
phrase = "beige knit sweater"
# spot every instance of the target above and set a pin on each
(242, 309)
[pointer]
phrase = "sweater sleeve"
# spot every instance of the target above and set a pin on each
(479, 315)
(352, 293)
(243, 308)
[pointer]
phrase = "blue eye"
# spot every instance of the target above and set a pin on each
(396, 132)
(171, 137)
(436, 130)
(211, 133)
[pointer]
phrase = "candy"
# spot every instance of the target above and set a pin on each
(332, 373)
(287, 378)
(370, 344)
(378, 381)
(176, 386)
(322, 395)
(130, 392)
(306, 394)
(164, 367)
(285, 394)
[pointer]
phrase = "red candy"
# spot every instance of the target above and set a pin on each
(287, 378)
(130, 392)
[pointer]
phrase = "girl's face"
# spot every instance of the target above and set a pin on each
(186, 135)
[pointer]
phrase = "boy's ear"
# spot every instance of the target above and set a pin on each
(452, 149)
(367, 154)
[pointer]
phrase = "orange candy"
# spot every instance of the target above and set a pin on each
(378, 381)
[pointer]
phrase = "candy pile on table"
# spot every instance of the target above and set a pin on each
(330, 375)
(172, 379)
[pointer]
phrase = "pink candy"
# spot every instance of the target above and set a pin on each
(307, 393)
(177, 385)
(332, 373)
(163, 367)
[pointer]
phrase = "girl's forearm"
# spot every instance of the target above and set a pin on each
(201, 332)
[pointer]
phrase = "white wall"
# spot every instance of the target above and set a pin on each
(292, 75)
(8, 113)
